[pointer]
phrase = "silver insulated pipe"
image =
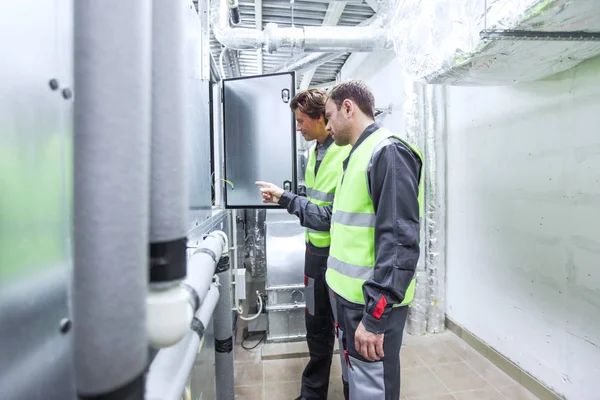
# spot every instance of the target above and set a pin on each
(111, 180)
(168, 186)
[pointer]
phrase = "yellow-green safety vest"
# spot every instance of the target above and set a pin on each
(320, 189)
(352, 253)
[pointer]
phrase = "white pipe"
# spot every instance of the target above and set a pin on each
(171, 367)
(240, 311)
(170, 311)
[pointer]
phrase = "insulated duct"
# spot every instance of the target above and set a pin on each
(111, 196)
(255, 241)
(305, 62)
(439, 41)
(413, 107)
(424, 117)
(168, 186)
(435, 206)
(367, 38)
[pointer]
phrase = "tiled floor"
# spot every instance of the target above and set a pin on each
(434, 367)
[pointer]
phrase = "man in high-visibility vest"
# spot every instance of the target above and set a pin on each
(322, 175)
(375, 229)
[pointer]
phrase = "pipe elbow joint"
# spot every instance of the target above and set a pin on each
(169, 316)
(223, 236)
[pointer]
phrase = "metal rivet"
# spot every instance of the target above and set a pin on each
(53, 84)
(65, 325)
(67, 93)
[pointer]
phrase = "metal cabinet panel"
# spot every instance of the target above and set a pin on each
(36, 90)
(199, 114)
(259, 136)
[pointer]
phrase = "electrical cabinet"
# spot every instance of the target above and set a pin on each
(259, 137)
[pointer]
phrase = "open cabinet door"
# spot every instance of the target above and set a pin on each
(259, 137)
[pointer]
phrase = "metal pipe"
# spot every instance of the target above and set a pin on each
(223, 326)
(111, 203)
(310, 39)
(171, 367)
(306, 62)
(168, 188)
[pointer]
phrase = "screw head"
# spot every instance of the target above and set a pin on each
(67, 93)
(53, 84)
(65, 325)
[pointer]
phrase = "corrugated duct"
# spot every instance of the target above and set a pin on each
(439, 41)
(424, 116)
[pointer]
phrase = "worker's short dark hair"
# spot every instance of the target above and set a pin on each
(310, 102)
(357, 91)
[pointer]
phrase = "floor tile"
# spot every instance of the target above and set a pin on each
(274, 351)
(459, 377)
(336, 389)
(447, 336)
(249, 392)
(436, 397)
(282, 391)
(280, 371)
(241, 354)
(248, 373)
(413, 340)
(465, 351)
(421, 382)
(517, 393)
(409, 358)
(436, 353)
(489, 393)
(491, 373)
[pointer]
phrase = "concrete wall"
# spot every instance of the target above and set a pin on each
(523, 214)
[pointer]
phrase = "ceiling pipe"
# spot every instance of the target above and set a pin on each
(363, 38)
(307, 61)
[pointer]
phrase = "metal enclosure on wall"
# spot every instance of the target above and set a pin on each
(35, 199)
(259, 136)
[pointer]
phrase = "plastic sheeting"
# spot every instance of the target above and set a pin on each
(439, 41)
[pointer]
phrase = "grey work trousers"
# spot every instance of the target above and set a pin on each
(379, 380)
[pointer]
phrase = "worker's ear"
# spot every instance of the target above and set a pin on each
(348, 107)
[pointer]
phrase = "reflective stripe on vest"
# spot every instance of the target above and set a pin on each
(320, 189)
(352, 253)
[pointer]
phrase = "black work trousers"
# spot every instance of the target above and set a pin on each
(379, 380)
(320, 332)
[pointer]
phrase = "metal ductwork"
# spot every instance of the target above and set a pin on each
(441, 42)
(305, 62)
(367, 38)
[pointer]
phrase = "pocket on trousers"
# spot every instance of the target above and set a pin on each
(309, 295)
(366, 380)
